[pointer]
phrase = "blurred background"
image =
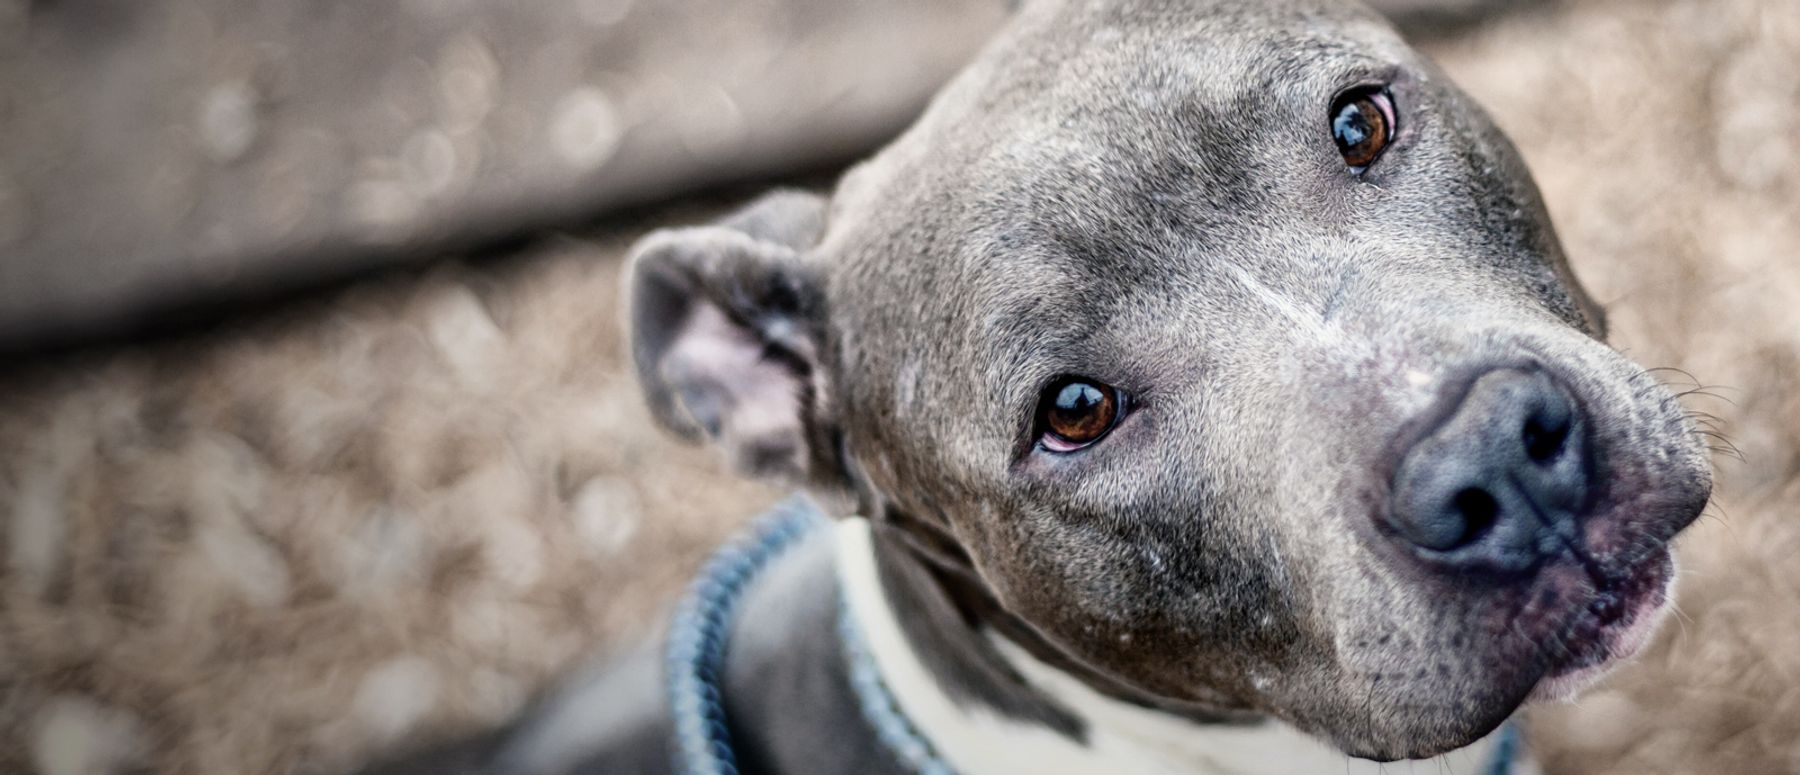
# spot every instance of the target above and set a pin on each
(316, 440)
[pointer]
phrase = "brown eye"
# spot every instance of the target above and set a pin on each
(1076, 412)
(1362, 125)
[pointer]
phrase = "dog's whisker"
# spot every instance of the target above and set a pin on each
(1681, 617)
(1684, 373)
(1707, 392)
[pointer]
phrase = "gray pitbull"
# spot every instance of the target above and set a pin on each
(1213, 396)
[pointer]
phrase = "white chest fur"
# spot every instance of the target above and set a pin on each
(1122, 738)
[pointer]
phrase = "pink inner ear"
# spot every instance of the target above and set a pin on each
(719, 373)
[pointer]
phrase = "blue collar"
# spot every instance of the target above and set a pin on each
(695, 655)
(695, 660)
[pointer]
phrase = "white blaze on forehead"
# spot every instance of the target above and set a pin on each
(1306, 322)
(77, 736)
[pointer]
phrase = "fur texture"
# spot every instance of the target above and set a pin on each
(218, 558)
(1145, 194)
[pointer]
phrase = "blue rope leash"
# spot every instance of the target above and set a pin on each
(695, 656)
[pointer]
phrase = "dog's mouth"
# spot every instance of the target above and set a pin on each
(1616, 623)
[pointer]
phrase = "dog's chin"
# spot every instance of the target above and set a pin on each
(1595, 646)
(1420, 745)
(1576, 652)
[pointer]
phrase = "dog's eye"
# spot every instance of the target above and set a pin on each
(1362, 124)
(1076, 412)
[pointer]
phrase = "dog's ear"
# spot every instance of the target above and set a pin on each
(727, 331)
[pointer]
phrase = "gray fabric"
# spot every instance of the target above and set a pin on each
(156, 153)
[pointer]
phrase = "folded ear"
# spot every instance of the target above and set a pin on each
(727, 331)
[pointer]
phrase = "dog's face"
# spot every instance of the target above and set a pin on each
(1231, 347)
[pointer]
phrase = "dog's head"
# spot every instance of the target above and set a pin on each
(1230, 347)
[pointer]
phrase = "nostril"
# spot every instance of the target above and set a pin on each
(1479, 512)
(1489, 484)
(1544, 441)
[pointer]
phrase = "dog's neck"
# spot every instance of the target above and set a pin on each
(1014, 712)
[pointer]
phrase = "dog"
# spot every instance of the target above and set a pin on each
(1201, 387)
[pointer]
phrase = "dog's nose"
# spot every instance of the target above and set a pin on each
(1498, 484)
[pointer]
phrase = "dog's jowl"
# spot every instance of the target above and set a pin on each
(1196, 387)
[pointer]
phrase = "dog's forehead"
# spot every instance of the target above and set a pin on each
(1088, 121)
(1086, 87)
(1097, 152)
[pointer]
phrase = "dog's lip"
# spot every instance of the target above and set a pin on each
(1614, 626)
